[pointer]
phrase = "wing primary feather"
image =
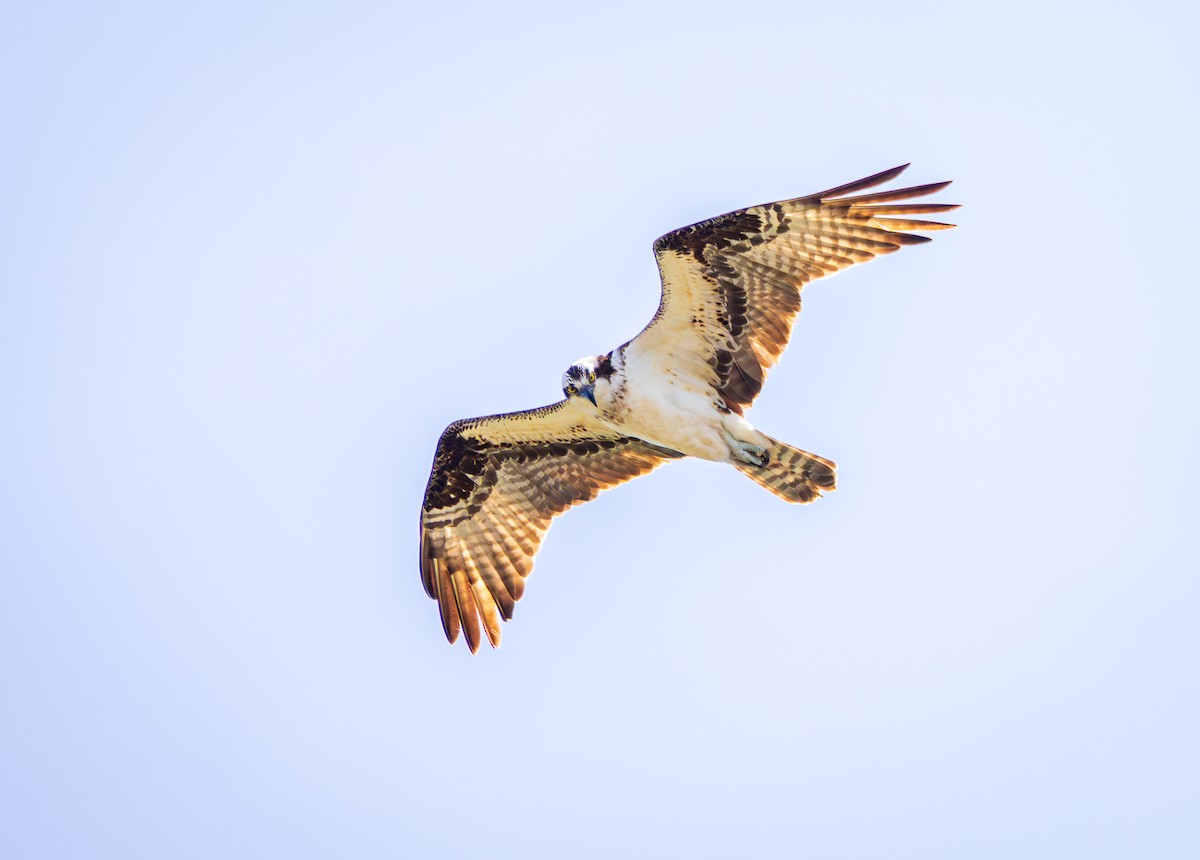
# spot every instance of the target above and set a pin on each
(860, 184)
(428, 568)
(912, 239)
(491, 577)
(898, 194)
(487, 608)
(446, 603)
(895, 224)
(462, 595)
(464, 598)
(905, 208)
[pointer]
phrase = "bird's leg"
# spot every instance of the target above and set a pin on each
(747, 452)
(745, 443)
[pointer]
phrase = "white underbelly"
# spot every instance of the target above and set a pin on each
(672, 412)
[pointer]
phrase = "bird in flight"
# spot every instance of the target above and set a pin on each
(730, 295)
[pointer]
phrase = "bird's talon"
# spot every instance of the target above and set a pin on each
(755, 455)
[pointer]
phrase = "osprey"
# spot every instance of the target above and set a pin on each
(730, 294)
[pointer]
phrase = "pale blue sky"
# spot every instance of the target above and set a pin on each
(255, 259)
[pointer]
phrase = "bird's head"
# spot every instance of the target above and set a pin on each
(581, 377)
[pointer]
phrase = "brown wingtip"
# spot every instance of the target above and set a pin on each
(489, 611)
(905, 208)
(895, 225)
(428, 571)
(464, 601)
(445, 598)
(861, 184)
(897, 194)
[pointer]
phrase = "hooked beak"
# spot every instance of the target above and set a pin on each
(589, 391)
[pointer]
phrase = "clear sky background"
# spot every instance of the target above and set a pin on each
(255, 258)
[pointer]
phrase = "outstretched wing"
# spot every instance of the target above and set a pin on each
(496, 484)
(731, 284)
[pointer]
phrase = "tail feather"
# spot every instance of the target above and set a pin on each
(792, 474)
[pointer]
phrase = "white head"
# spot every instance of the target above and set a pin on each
(580, 378)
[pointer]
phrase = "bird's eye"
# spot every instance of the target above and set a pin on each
(591, 376)
(570, 388)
